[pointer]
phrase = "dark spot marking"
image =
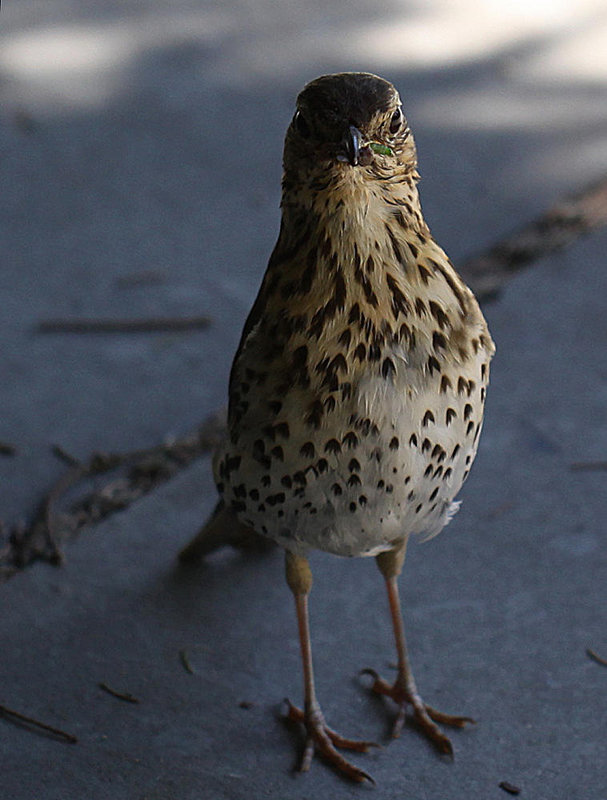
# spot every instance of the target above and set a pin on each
(467, 411)
(322, 465)
(438, 341)
(445, 383)
(345, 337)
(470, 427)
(394, 443)
(433, 365)
(275, 406)
(429, 470)
(330, 404)
(232, 463)
(387, 368)
(395, 246)
(433, 494)
(437, 473)
(426, 445)
(332, 446)
(354, 315)
(273, 499)
(389, 488)
(380, 484)
(278, 453)
(352, 507)
(375, 353)
(354, 466)
(420, 308)
(362, 500)
(286, 481)
(314, 414)
(266, 480)
(336, 489)
(428, 417)
(400, 304)
(413, 440)
(307, 450)
(360, 352)
(439, 315)
(339, 290)
(424, 273)
(350, 440)
(354, 480)
(456, 450)
(339, 363)
(418, 508)
(447, 474)
(238, 506)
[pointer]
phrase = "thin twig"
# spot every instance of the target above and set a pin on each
(185, 662)
(64, 456)
(145, 469)
(588, 466)
(137, 279)
(15, 716)
(595, 657)
(149, 325)
(125, 696)
(509, 787)
(563, 223)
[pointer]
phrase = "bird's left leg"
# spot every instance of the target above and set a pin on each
(319, 737)
(404, 691)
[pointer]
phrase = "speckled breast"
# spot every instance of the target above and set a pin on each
(352, 470)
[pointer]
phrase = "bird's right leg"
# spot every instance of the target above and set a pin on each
(404, 691)
(320, 738)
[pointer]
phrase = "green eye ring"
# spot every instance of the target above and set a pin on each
(382, 149)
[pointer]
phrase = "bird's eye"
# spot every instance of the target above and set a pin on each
(396, 120)
(302, 127)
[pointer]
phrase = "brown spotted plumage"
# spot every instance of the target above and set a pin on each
(357, 391)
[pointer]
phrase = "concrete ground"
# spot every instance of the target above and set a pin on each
(141, 147)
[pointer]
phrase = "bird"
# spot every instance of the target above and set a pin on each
(357, 391)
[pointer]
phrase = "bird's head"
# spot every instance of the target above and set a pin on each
(345, 122)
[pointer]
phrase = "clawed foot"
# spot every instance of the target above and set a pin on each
(425, 716)
(321, 739)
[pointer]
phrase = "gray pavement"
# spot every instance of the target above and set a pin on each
(145, 138)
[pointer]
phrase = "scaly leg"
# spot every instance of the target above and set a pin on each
(320, 738)
(404, 690)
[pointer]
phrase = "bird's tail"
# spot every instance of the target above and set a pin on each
(221, 529)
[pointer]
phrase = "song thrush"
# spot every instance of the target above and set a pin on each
(356, 394)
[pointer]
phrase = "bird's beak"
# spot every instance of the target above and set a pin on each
(351, 145)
